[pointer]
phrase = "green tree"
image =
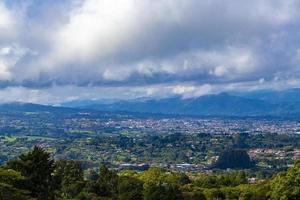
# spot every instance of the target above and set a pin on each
(12, 185)
(286, 186)
(8, 192)
(69, 178)
(153, 175)
(130, 188)
(162, 191)
(214, 194)
(37, 167)
(106, 184)
(161, 184)
(192, 192)
(206, 181)
(177, 178)
(253, 192)
(232, 179)
(195, 195)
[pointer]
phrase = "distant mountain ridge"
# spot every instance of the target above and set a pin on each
(212, 105)
(31, 107)
(290, 95)
(248, 104)
(223, 104)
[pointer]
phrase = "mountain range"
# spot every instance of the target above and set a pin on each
(256, 103)
(284, 103)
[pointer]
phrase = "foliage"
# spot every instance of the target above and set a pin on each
(66, 181)
(8, 192)
(106, 184)
(130, 188)
(37, 167)
(68, 176)
(225, 179)
(286, 186)
(162, 191)
(12, 185)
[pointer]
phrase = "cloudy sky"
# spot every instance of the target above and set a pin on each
(61, 50)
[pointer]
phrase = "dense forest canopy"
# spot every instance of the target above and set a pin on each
(36, 176)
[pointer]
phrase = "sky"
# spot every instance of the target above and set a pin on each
(52, 51)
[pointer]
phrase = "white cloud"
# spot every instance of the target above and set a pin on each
(4, 71)
(9, 56)
(146, 47)
(190, 91)
(97, 28)
(7, 22)
(111, 40)
(6, 19)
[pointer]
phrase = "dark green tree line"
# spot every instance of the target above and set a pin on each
(36, 176)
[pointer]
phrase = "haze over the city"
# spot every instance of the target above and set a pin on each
(53, 51)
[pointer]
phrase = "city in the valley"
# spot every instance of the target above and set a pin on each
(128, 141)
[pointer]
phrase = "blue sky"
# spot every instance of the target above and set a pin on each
(59, 50)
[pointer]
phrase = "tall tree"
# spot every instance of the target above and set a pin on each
(130, 188)
(38, 167)
(106, 184)
(12, 185)
(286, 186)
(69, 178)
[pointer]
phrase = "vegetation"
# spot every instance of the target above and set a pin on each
(37, 167)
(114, 139)
(36, 176)
(276, 151)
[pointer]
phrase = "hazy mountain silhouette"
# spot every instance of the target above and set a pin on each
(258, 103)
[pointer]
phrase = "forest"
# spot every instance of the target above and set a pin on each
(36, 176)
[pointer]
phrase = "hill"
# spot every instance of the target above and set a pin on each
(30, 107)
(211, 105)
(265, 103)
